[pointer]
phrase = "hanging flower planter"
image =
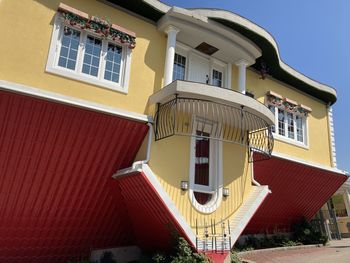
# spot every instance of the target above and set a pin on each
(96, 25)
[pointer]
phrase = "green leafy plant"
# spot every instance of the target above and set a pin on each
(305, 233)
(185, 254)
(235, 258)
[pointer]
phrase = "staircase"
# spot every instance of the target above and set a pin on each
(221, 236)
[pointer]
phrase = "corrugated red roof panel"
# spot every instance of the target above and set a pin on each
(153, 224)
(57, 197)
(298, 191)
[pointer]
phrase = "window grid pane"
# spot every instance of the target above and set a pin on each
(202, 159)
(272, 109)
(217, 78)
(299, 126)
(290, 123)
(179, 67)
(113, 63)
(92, 56)
(69, 48)
(281, 128)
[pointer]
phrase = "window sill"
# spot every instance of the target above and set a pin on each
(86, 79)
(290, 141)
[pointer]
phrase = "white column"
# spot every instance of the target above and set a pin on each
(170, 53)
(346, 198)
(242, 73)
(228, 76)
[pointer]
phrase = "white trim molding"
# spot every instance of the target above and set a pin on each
(152, 178)
(331, 135)
(215, 186)
(310, 164)
(55, 48)
(51, 96)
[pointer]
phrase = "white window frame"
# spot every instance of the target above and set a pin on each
(77, 74)
(214, 63)
(215, 173)
(285, 138)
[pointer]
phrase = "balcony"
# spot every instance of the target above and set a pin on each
(234, 117)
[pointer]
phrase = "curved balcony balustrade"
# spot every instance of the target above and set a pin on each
(233, 117)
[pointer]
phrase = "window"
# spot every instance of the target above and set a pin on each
(217, 78)
(205, 171)
(339, 205)
(272, 109)
(191, 65)
(69, 48)
(289, 125)
(85, 56)
(179, 67)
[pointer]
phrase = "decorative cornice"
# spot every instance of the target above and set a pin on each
(286, 104)
(102, 27)
(274, 66)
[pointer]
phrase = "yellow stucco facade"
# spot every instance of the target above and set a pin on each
(24, 52)
(170, 161)
(317, 120)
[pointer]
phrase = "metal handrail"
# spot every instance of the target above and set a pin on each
(228, 123)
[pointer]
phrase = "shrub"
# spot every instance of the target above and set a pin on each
(185, 254)
(304, 232)
(235, 258)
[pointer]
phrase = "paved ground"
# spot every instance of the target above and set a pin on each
(338, 252)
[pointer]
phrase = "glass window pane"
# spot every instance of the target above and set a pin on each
(86, 68)
(115, 77)
(109, 65)
(108, 75)
(113, 61)
(64, 52)
(202, 159)
(62, 62)
(94, 71)
(179, 67)
(272, 109)
(281, 129)
(217, 78)
(290, 121)
(73, 54)
(71, 64)
(69, 46)
(92, 56)
(299, 126)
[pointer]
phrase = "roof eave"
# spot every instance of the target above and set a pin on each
(154, 10)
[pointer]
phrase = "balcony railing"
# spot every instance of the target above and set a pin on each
(232, 124)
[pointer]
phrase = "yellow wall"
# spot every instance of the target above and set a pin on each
(26, 33)
(318, 150)
(25, 45)
(170, 161)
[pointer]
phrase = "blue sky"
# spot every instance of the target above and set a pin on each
(313, 38)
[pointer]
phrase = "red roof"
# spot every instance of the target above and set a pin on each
(153, 224)
(298, 191)
(57, 198)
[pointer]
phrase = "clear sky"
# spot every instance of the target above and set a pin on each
(313, 37)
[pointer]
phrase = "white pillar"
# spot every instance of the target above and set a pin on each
(229, 76)
(170, 54)
(242, 73)
(346, 198)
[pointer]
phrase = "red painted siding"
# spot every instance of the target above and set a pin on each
(153, 224)
(57, 197)
(297, 191)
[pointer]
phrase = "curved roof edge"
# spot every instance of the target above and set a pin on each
(154, 10)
